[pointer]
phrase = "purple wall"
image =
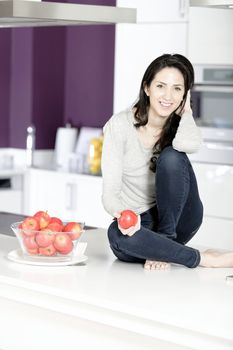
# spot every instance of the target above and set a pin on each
(21, 85)
(53, 75)
(5, 54)
(48, 83)
(89, 75)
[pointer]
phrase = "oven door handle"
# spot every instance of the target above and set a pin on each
(205, 88)
(223, 146)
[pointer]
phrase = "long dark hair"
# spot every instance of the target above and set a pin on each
(142, 105)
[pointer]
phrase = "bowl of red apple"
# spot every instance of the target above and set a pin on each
(41, 235)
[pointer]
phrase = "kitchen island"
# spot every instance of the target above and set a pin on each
(106, 304)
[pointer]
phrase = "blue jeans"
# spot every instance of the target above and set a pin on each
(168, 226)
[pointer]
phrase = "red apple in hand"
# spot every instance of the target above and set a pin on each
(43, 217)
(63, 243)
(45, 237)
(127, 219)
(75, 228)
(29, 225)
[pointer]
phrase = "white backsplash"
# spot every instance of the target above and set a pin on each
(15, 158)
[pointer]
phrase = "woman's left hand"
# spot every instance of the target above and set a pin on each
(131, 230)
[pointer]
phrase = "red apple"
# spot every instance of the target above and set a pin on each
(45, 237)
(30, 225)
(34, 251)
(43, 217)
(55, 226)
(75, 228)
(48, 251)
(55, 219)
(127, 219)
(63, 243)
(30, 242)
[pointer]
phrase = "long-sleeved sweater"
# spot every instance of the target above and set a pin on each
(128, 183)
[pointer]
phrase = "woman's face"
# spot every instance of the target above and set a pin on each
(165, 92)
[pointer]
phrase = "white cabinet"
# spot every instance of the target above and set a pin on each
(136, 46)
(159, 10)
(47, 190)
(70, 196)
(210, 36)
(11, 199)
(89, 203)
(215, 183)
(161, 28)
(215, 233)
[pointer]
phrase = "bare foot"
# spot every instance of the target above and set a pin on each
(214, 258)
(156, 265)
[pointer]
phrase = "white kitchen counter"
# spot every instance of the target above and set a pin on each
(118, 304)
(4, 173)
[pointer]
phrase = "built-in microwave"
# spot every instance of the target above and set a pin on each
(212, 96)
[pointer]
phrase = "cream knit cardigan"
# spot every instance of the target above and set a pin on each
(128, 183)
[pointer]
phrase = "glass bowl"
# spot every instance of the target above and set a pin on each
(48, 244)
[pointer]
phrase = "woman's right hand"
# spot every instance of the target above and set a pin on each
(186, 107)
(131, 230)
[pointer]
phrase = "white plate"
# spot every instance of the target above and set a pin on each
(18, 257)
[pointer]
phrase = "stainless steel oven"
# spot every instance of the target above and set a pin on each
(212, 103)
(212, 96)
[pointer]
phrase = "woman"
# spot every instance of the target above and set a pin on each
(145, 168)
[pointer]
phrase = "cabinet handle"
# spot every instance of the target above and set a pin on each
(182, 8)
(71, 192)
(220, 146)
(212, 88)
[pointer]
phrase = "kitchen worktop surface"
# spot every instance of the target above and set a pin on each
(185, 306)
(11, 172)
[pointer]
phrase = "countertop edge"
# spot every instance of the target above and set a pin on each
(109, 314)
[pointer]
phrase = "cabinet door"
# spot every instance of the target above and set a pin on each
(72, 197)
(210, 36)
(136, 46)
(215, 184)
(11, 201)
(151, 11)
(51, 191)
(89, 202)
(215, 233)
